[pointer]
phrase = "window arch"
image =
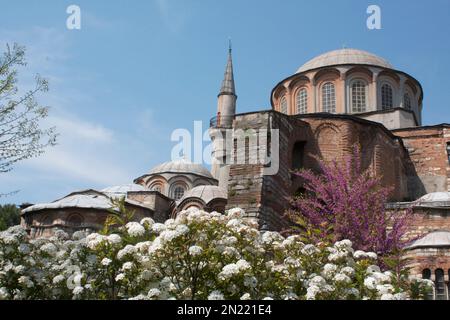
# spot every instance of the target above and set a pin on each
(283, 105)
(178, 192)
(328, 98)
(75, 220)
(440, 285)
(358, 96)
(157, 187)
(302, 101)
(407, 101)
(387, 97)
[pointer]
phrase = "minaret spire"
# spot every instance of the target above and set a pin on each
(228, 87)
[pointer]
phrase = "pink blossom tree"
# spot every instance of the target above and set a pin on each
(345, 202)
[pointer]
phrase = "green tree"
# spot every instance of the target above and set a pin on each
(21, 135)
(9, 216)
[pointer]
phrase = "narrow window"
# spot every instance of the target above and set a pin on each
(328, 98)
(448, 152)
(407, 101)
(358, 97)
(283, 105)
(178, 193)
(302, 101)
(440, 285)
(387, 97)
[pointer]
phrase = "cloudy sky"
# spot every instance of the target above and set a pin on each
(137, 70)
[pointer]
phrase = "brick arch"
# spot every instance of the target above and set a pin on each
(329, 141)
(327, 74)
(366, 142)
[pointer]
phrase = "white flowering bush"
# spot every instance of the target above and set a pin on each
(198, 255)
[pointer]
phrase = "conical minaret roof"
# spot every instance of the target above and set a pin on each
(228, 79)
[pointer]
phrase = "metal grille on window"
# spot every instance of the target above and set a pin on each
(358, 97)
(178, 193)
(329, 98)
(387, 97)
(302, 101)
(283, 105)
(407, 101)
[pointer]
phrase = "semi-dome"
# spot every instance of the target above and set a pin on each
(432, 240)
(181, 166)
(206, 193)
(343, 57)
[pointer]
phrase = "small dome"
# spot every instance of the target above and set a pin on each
(433, 239)
(345, 56)
(181, 166)
(436, 199)
(206, 193)
(123, 189)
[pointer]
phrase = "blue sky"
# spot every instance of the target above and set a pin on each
(137, 70)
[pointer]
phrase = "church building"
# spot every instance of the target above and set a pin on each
(333, 102)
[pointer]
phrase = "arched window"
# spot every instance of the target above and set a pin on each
(75, 220)
(328, 98)
(440, 285)
(47, 221)
(358, 91)
(302, 101)
(387, 97)
(156, 187)
(178, 193)
(407, 101)
(283, 105)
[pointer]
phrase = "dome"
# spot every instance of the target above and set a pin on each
(206, 193)
(345, 56)
(436, 199)
(75, 200)
(123, 189)
(433, 239)
(181, 166)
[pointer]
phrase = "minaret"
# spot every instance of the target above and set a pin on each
(226, 110)
(226, 104)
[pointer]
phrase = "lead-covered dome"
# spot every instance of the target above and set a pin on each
(343, 57)
(181, 166)
(206, 193)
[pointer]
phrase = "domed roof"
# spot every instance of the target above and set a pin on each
(206, 193)
(83, 199)
(433, 239)
(435, 199)
(123, 189)
(181, 166)
(345, 56)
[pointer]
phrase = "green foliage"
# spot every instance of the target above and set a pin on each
(118, 216)
(9, 216)
(21, 136)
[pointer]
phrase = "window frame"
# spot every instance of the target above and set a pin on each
(328, 97)
(384, 105)
(301, 99)
(364, 92)
(284, 105)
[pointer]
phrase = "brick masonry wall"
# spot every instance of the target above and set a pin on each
(427, 147)
(324, 136)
